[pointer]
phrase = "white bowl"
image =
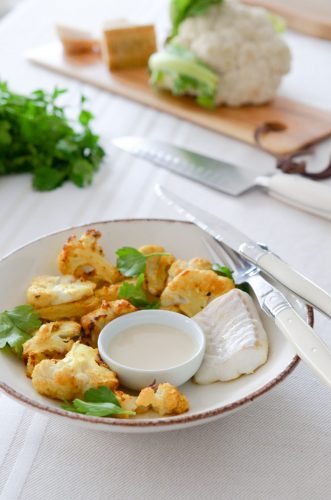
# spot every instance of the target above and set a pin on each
(136, 378)
(185, 241)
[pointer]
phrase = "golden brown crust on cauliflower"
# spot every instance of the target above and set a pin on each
(111, 292)
(71, 310)
(193, 289)
(51, 341)
(157, 267)
(52, 290)
(94, 321)
(70, 377)
(127, 402)
(84, 253)
(165, 400)
(181, 265)
(108, 293)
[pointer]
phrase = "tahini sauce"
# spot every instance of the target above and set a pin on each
(152, 347)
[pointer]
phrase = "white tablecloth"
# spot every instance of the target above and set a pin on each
(277, 448)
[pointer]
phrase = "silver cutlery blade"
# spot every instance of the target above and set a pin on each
(217, 228)
(243, 271)
(213, 173)
(268, 262)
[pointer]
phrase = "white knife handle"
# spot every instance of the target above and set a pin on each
(305, 194)
(294, 281)
(308, 345)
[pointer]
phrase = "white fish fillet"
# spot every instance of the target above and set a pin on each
(236, 342)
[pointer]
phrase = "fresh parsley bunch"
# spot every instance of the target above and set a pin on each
(36, 137)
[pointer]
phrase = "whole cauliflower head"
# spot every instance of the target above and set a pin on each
(52, 340)
(70, 377)
(240, 43)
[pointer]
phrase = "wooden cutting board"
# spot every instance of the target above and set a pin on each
(312, 17)
(304, 124)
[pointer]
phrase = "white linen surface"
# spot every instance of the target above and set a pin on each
(277, 448)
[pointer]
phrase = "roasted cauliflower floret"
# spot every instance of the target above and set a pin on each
(193, 289)
(181, 265)
(71, 310)
(157, 267)
(51, 341)
(127, 402)
(165, 400)
(85, 257)
(72, 376)
(52, 290)
(110, 292)
(94, 322)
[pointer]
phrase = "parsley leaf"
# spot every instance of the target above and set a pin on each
(244, 287)
(136, 294)
(131, 262)
(223, 271)
(16, 325)
(101, 402)
(36, 136)
(96, 409)
(101, 395)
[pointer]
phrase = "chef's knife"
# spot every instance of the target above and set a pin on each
(265, 260)
(292, 189)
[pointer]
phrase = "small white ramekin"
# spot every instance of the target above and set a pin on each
(136, 378)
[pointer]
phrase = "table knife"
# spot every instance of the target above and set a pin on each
(295, 190)
(264, 259)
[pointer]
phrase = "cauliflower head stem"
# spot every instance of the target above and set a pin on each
(178, 69)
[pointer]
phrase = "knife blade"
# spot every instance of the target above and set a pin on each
(233, 180)
(264, 259)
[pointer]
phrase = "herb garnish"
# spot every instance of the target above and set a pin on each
(36, 137)
(131, 262)
(135, 293)
(16, 325)
(101, 402)
(228, 273)
(223, 271)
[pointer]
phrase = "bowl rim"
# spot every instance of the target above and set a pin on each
(163, 422)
